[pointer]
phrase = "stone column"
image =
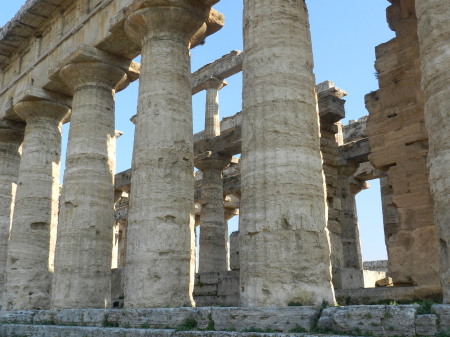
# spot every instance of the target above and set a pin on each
(350, 273)
(33, 231)
(434, 36)
(160, 252)
(83, 255)
(212, 116)
(284, 242)
(11, 137)
(213, 227)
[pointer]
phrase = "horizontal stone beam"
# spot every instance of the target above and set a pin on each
(228, 65)
(355, 152)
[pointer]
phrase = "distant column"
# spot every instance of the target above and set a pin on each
(434, 36)
(284, 243)
(213, 227)
(11, 137)
(160, 251)
(33, 231)
(83, 257)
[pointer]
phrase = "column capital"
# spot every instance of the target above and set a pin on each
(81, 73)
(212, 161)
(28, 110)
(170, 20)
(215, 83)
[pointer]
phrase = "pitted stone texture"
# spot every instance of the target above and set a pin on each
(379, 320)
(213, 240)
(281, 319)
(426, 325)
(83, 258)
(443, 313)
(434, 34)
(161, 244)
(234, 251)
(284, 244)
(11, 137)
(398, 141)
(33, 231)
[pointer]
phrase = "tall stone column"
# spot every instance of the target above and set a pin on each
(83, 255)
(11, 137)
(33, 231)
(213, 227)
(160, 252)
(284, 242)
(434, 36)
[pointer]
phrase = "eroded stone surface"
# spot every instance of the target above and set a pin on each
(283, 213)
(31, 246)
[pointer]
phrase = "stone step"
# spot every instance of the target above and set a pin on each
(18, 330)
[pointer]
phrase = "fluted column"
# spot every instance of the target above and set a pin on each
(213, 226)
(212, 116)
(284, 243)
(11, 137)
(83, 255)
(160, 252)
(434, 36)
(33, 231)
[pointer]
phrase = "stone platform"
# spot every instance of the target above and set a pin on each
(377, 320)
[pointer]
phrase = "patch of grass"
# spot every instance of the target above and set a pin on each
(145, 326)
(253, 329)
(368, 315)
(443, 334)
(295, 304)
(298, 329)
(188, 324)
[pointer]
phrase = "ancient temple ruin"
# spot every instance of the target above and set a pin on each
(285, 164)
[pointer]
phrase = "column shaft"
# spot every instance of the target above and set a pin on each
(11, 137)
(83, 257)
(434, 36)
(33, 230)
(284, 244)
(160, 251)
(213, 227)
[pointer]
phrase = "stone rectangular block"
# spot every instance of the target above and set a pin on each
(282, 319)
(426, 325)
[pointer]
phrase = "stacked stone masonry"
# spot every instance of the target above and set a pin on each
(295, 182)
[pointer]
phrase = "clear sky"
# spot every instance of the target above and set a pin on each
(344, 35)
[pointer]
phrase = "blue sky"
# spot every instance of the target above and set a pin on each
(344, 35)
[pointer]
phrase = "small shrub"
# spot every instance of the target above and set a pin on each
(295, 304)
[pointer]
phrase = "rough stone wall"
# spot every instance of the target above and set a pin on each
(399, 144)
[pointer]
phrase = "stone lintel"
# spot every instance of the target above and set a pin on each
(86, 53)
(355, 152)
(228, 143)
(32, 93)
(228, 65)
(355, 130)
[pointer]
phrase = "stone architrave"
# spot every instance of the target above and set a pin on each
(434, 36)
(11, 137)
(284, 241)
(33, 230)
(160, 252)
(83, 254)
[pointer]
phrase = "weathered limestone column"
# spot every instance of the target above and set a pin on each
(33, 231)
(434, 36)
(11, 137)
(350, 275)
(284, 243)
(213, 227)
(83, 255)
(160, 252)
